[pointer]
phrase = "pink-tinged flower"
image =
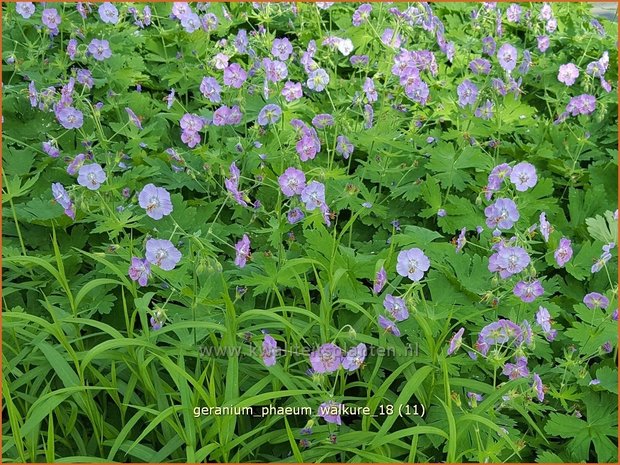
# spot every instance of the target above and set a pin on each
(234, 75)
(380, 280)
(220, 61)
(542, 43)
(330, 412)
(318, 80)
(191, 122)
(140, 270)
(502, 214)
(538, 388)
(388, 325)
(156, 201)
(412, 263)
(513, 13)
(70, 118)
(242, 250)
(281, 49)
(25, 9)
(583, 104)
(523, 176)
(509, 261)
(108, 13)
(564, 252)
(543, 318)
(456, 341)
(545, 227)
(292, 182)
(99, 49)
(269, 114)
(313, 195)
(162, 253)
(528, 291)
(326, 359)
(292, 91)
(91, 176)
(191, 138)
(51, 19)
(355, 357)
(516, 370)
(396, 307)
(270, 349)
(507, 57)
(568, 74)
(594, 300)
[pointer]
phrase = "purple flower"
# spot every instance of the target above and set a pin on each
(242, 249)
(507, 57)
(456, 341)
(91, 176)
(270, 348)
(369, 90)
(313, 195)
(191, 22)
(295, 216)
(292, 182)
(326, 359)
(221, 61)
(108, 13)
(292, 91)
(140, 270)
(389, 326)
(156, 201)
(355, 357)
(85, 78)
(211, 89)
(380, 280)
(76, 164)
(594, 300)
(32, 93)
(418, 91)
(461, 240)
(330, 412)
(480, 66)
(583, 104)
(281, 49)
(61, 196)
(344, 147)
(269, 114)
(361, 15)
(485, 111)
(528, 291)
(564, 252)
(568, 74)
(193, 123)
(369, 115)
(25, 9)
(537, 386)
(162, 253)
(317, 80)
(275, 71)
(488, 46)
(467, 92)
(70, 118)
(210, 21)
(234, 75)
(513, 13)
(72, 48)
(516, 370)
(545, 227)
(359, 60)
(523, 176)
(542, 43)
(134, 118)
(543, 318)
(99, 49)
(51, 19)
(412, 263)
(502, 214)
(50, 148)
(391, 39)
(180, 10)
(509, 261)
(322, 121)
(396, 307)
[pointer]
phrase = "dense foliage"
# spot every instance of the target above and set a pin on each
(380, 232)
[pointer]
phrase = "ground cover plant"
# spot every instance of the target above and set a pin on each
(331, 232)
